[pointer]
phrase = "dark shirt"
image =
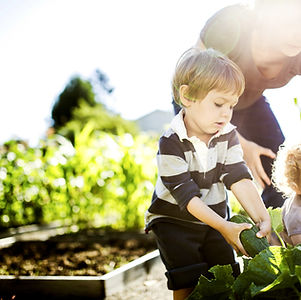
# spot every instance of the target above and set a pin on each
(229, 31)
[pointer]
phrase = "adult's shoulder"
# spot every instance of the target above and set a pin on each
(227, 28)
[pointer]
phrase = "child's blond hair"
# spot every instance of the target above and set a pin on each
(286, 174)
(206, 70)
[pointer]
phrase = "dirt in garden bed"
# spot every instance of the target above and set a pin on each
(89, 252)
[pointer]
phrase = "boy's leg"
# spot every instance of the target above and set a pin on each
(182, 294)
(179, 250)
(259, 124)
(218, 252)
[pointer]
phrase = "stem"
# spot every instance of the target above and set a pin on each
(280, 239)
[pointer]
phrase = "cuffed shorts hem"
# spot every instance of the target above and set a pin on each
(185, 277)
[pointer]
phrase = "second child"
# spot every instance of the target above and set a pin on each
(287, 178)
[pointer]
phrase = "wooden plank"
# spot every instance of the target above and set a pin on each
(79, 287)
(52, 287)
(136, 270)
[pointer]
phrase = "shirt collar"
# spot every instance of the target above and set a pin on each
(178, 126)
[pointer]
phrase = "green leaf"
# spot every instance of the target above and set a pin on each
(262, 270)
(284, 281)
(218, 288)
(276, 218)
(271, 270)
(298, 273)
(296, 101)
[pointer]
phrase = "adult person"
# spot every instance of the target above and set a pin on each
(265, 42)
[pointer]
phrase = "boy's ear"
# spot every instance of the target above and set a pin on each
(182, 92)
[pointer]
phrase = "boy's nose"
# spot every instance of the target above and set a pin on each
(227, 113)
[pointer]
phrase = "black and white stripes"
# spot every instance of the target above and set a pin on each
(187, 168)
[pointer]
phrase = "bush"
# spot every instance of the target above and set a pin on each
(101, 180)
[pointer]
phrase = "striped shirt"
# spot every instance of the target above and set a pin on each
(187, 167)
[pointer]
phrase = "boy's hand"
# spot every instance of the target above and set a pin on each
(264, 229)
(231, 233)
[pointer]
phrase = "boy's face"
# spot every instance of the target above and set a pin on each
(204, 118)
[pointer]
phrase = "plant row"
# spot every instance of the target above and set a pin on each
(100, 180)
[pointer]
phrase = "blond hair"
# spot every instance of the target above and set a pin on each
(206, 70)
(286, 171)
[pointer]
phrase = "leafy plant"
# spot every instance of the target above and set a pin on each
(276, 222)
(101, 180)
(274, 273)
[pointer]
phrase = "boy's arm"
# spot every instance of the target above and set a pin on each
(248, 196)
(229, 230)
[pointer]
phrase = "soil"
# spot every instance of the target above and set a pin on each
(88, 252)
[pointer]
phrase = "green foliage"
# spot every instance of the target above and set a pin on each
(101, 119)
(101, 180)
(276, 219)
(77, 105)
(76, 90)
(276, 222)
(298, 106)
(219, 288)
(274, 273)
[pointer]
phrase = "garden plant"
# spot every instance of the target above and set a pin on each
(101, 180)
(274, 273)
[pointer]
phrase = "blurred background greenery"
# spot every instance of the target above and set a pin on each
(94, 168)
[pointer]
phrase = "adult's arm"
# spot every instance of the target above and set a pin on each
(252, 153)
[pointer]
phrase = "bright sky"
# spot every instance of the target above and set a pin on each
(136, 43)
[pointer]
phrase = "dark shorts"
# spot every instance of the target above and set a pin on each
(187, 253)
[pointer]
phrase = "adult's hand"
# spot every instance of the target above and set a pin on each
(252, 153)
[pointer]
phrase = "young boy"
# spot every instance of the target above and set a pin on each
(200, 155)
(286, 177)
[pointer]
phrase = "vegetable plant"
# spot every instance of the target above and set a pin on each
(274, 273)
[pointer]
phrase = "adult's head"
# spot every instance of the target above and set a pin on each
(273, 26)
(278, 25)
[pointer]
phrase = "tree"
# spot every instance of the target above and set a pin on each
(78, 104)
(76, 90)
(101, 119)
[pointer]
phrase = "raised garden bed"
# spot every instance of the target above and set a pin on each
(84, 265)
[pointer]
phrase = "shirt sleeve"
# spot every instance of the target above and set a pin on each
(235, 168)
(293, 221)
(174, 172)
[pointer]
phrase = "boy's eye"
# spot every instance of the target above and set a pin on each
(218, 104)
